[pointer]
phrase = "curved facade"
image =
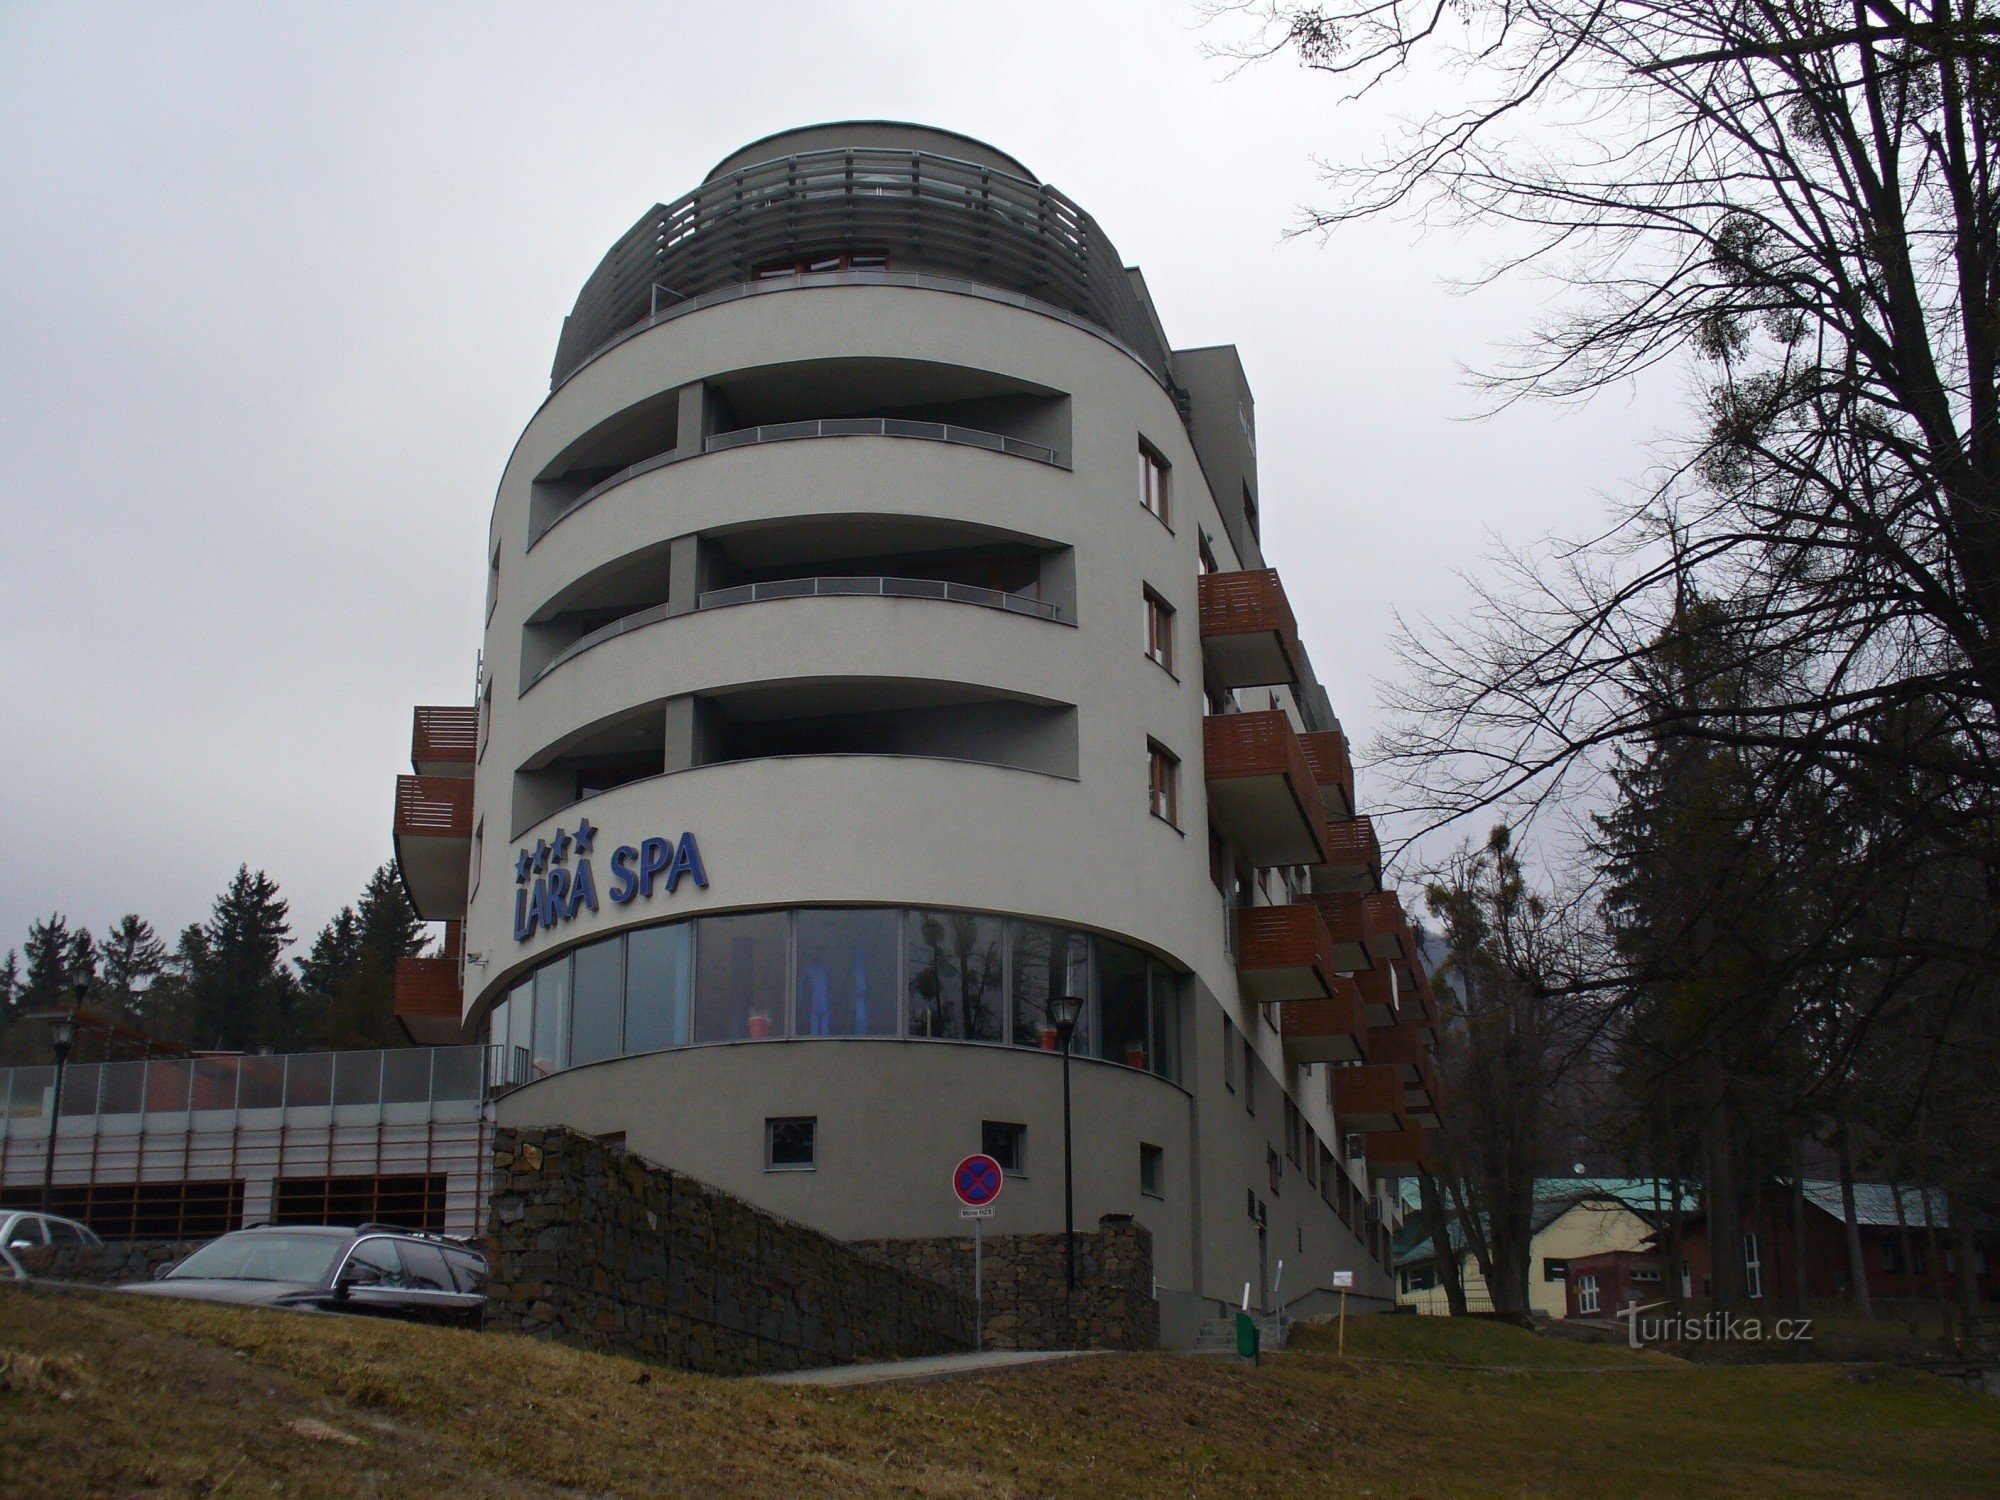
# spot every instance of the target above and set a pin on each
(879, 646)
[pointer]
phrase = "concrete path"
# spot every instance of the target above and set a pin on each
(933, 1367)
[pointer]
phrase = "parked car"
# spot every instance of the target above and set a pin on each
(30, 1231)
(376, 1270)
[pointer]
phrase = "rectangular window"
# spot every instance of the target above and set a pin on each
(1753, 1268)
(597, 1011)
(492, 584)
(658, 976)
(954, 975)
(1586, 1293)
(1293, 1131)
(1228, 1054)
(1166, 784)
(1153, 474)
(1152, 1170)
(1249, 509)
(1047, 961)
(1121, 1002)
(551, 1043)
(1274, 1164)
(1553, 1269)
(739, 977)
(1166, 1013)
(1006, 1143)
(846, 979)
(1205, 556)
(478, 855)
(1249, 1076)
(791, 1145)
(1159, 630)
(1312, 1163)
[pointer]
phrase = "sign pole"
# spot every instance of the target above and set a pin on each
(978, 1285)
(977, 1181)
(1343, 1322)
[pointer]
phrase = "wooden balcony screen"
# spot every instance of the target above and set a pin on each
(1391, 1152)
(434, 807)
(1332, 770)
(1236, 608)
(1368, 1097)
(1393, 937)
(1353, 857)
(1243, 747)
(444, 736)
(427, 988)
(1285, 937)
(1351, 925)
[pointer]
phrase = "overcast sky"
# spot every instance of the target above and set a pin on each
(279, 286)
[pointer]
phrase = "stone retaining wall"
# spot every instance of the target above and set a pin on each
(590, 1246)
(1024, 1285)
(110, 1264)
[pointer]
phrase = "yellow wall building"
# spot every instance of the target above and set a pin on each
(1566, 1228)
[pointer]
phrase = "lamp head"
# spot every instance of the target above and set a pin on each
(62, 1032)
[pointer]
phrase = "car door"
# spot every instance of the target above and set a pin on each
(431, 1291)
(25, 1233)
(371, 1280)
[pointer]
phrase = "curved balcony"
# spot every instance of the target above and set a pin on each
(898, 427)
(433, 839)
(808, 588)
(1260, 791)
(923, 213)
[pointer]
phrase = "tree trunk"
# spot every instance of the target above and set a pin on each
(1725, 1213)
(1935, 1255)
(1857, 1268)
(1676, 1246)
(1965, 1258)
(1439, 1224)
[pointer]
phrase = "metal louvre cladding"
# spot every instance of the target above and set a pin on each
(927, 213)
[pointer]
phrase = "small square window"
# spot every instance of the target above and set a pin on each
(1159, 631)
(1153, 483)
(1275, 1165)
(1553, 1269)
(1006, 1143)
(1152, 1170)
(1165, 791)
(791, 1145)
(1205, 556)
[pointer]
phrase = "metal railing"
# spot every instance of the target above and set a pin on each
(888, 588)
(936, 432)
(297, 1080)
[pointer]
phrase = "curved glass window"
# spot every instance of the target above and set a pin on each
(850, 971)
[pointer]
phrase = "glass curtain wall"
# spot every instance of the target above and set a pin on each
(844, 972)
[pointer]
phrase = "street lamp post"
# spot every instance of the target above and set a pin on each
(1067, 1009)
(62, 1032)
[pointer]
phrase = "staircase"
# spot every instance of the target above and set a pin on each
(1218, 1335)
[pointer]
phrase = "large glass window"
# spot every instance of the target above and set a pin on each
(955, 968)
(551, 1017)
(1047, 960)
(1165, 986)
(739, 977)
(846, 973)
(597, 1002)
(1121, 988)
(521, 1016)
(658, 961)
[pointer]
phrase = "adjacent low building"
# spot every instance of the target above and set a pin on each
(880, 648)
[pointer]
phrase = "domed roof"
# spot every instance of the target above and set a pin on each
(878, 134)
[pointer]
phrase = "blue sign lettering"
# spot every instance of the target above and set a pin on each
(550, 891)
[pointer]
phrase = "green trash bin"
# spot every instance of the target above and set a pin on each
(1249, 1342)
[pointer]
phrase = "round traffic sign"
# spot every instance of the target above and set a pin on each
(977, 1180)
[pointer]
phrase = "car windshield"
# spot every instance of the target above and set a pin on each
(260, 1256)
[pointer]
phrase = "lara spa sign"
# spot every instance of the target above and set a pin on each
(559, 890)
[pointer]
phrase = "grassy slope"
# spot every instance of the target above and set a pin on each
(126, 1396)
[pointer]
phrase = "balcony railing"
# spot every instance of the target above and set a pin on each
(1368, 1097)
(887, 588)
(1260, 790)
(1324, 1031)
(1248, 635)
(1283, 953)
(1353, 859)
(299, 1080)
(443, 740)
(900, 427)
(1352, 926)
(437, 807)
(1332, 769)
(1378, 995)
(428, 1000)
(1396, 1153)
(1393, 938)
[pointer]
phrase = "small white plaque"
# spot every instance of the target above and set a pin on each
(1342, 1280)
(976, 1213)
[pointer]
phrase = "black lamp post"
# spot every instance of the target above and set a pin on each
(1066, 1010)
(62, 1033)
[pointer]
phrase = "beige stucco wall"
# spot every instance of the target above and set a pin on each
(1587, 1229)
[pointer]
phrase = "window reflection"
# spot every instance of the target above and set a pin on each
(658, 961)
(1041, 955)
(739, 977)
(1121, 986)
(597, 991)
(846, 982)
(551, 1042)
(954, 975)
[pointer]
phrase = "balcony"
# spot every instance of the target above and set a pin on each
(1378, 995)
(1324, 1031)
(1260, 791)
(821, 588)
(1393, 938)
(1353, 859)
(428, 1000)
(1397, 1153)
(1283, 953)
(444, 741)
(1326, 753)
(903, 427)
(433, 830)
(1248, 635)
(1352, 926)
(1406, 1048)
(1368, 1097)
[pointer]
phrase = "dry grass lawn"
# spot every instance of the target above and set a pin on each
(103, 1395)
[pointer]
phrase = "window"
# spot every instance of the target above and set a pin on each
(1687, 1280)
(1047, 962)
(1006, 1143)
(551, 1041)
(1153, 483)
(1229, 1054)
(1159, 630)
(415, 1201)
(1586, 1293)
(1249, 1076)
(597, 1009)
(374, 1262)
(1753, 1267)
(492, 584)
(846, 984)
(1292, 1131)
(478, 855)
(1274, 1166)
(658, 977)
(820, 265)
(1152, 1170)
(954, 975)
(1553, 1269)
(1249, 509)
(1166, 784)
(1205, 556)
(739, 977)
(791, 1145)
(1121, 990)
(1312, 1162)
(424, 1269)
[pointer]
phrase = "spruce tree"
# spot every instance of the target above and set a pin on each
(240, 996)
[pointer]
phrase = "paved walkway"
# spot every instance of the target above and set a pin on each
(933, 1367)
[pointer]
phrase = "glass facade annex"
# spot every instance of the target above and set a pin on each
(840, 971)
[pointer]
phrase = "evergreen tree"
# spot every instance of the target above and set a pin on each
(239, 995)
(133, 956)
(350, 975)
